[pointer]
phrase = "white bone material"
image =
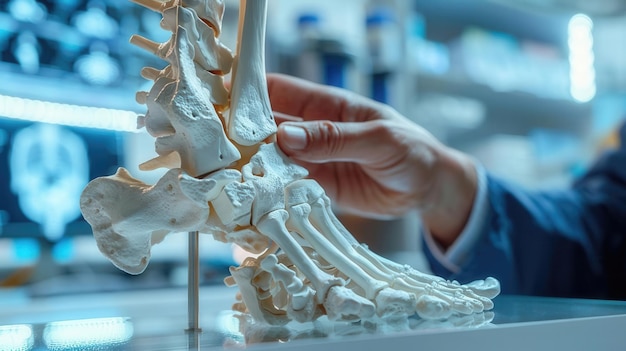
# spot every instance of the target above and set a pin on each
(129, 216)
(248, 192)
(199, 138)
(251, 119)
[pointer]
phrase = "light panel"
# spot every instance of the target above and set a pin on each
(66, 114)
(581, 58)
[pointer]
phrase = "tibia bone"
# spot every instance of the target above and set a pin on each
(251, 119)
(129, 216)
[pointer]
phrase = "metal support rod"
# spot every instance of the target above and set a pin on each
(193, 283)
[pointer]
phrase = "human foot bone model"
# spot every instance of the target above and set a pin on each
(228, 178)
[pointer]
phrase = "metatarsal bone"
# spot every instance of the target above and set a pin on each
(330, 243)
(320, 218)
(129, 216)
(462, 299)
(273, 225)
(298, 219)
(251, 120)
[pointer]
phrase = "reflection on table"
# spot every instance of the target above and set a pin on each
(155, 320)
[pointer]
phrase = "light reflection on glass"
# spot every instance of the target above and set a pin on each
(16, 337)
(87, 333)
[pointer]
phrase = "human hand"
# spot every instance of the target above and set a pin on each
(371, 160)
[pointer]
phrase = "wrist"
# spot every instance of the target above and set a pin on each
(452, 197)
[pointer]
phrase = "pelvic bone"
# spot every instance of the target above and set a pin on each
(247, 191)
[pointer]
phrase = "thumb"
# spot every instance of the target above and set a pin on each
(327, 141)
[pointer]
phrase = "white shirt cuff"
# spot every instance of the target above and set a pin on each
(459, 251)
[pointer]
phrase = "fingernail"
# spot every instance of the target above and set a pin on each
(294, 138)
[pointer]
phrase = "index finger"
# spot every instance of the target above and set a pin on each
(312, 101)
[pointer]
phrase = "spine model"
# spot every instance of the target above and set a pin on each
(228, 178)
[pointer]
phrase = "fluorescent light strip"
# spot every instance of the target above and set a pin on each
(17, 337)
(95, 334)
(69, 115)
(581, 58)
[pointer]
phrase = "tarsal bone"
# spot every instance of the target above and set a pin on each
(269, 170)
(234, 203)
(251, 119)
(129, 216)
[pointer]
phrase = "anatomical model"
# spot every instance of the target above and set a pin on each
(228, 178)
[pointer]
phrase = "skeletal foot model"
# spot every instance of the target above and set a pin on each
(228, 178)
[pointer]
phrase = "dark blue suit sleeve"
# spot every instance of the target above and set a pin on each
(570, 242)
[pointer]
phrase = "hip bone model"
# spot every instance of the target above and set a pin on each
(227, 177)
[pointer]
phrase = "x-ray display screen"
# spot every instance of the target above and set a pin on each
(76, 51)
(43, 170)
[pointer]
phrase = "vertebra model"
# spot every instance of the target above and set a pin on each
(228, 178)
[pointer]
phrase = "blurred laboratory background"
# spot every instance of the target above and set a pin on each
(534, 89)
